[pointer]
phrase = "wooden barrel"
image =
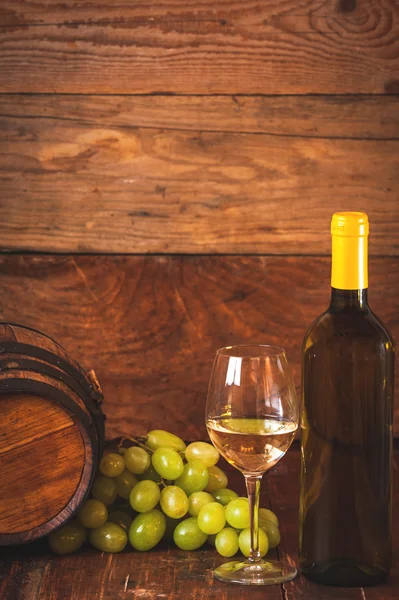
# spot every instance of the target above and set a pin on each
(51, 434)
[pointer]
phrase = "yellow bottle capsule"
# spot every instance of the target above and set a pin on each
(349, 250)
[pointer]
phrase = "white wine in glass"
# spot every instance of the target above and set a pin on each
(252, 445)
(252, 417)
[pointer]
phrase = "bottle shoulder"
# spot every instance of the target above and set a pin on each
(379, 325)
(347, 325)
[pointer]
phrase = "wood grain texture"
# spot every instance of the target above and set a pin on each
(38, 493)
(34, 574)
(150, 325)
(26, 418)
(197, 47)
(87, 174)
(348, 117)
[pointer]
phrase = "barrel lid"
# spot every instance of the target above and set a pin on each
(42, 460)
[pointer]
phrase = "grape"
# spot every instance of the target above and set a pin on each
(244, 541)
(108, 538)
(104, 489)
(211, 518)
(137, 460)
(147, 530)
(158, 438)
(196, 501)
(121, 518)
(267, 515)
(188, 536)
(167, 463)
(125, 482)
(226, 542)
(144, 496)
(68, 538)
(112, 465)
(272, 532)
(217, 479)
(224, 496)
(194, 478)
(151, 474)
(92, 513)
(174, 502)
(202, 451)
(237, 513)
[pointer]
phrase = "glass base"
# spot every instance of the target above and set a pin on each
(264, 572)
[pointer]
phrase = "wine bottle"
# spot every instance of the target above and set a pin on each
(346, 425)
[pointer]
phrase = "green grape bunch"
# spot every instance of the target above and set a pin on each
(159, 488)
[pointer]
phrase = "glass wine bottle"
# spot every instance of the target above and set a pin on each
(346, 425)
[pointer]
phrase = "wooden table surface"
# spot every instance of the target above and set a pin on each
(32, 573)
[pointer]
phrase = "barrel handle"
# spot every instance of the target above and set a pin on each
(96, 391)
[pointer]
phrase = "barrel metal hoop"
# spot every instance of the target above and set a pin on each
(48, 369)
(79, 376)
(35, 351)
(13, 328)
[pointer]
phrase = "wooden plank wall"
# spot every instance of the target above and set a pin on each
(168, 173)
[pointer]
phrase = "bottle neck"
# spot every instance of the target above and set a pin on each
(349, 264)
(348, 299)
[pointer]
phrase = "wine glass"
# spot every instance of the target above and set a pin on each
(252, 417)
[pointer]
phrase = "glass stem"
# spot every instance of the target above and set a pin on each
(253, 490)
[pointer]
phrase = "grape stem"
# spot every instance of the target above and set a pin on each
(136, 442)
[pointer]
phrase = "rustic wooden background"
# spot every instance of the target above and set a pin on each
(168, 174)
